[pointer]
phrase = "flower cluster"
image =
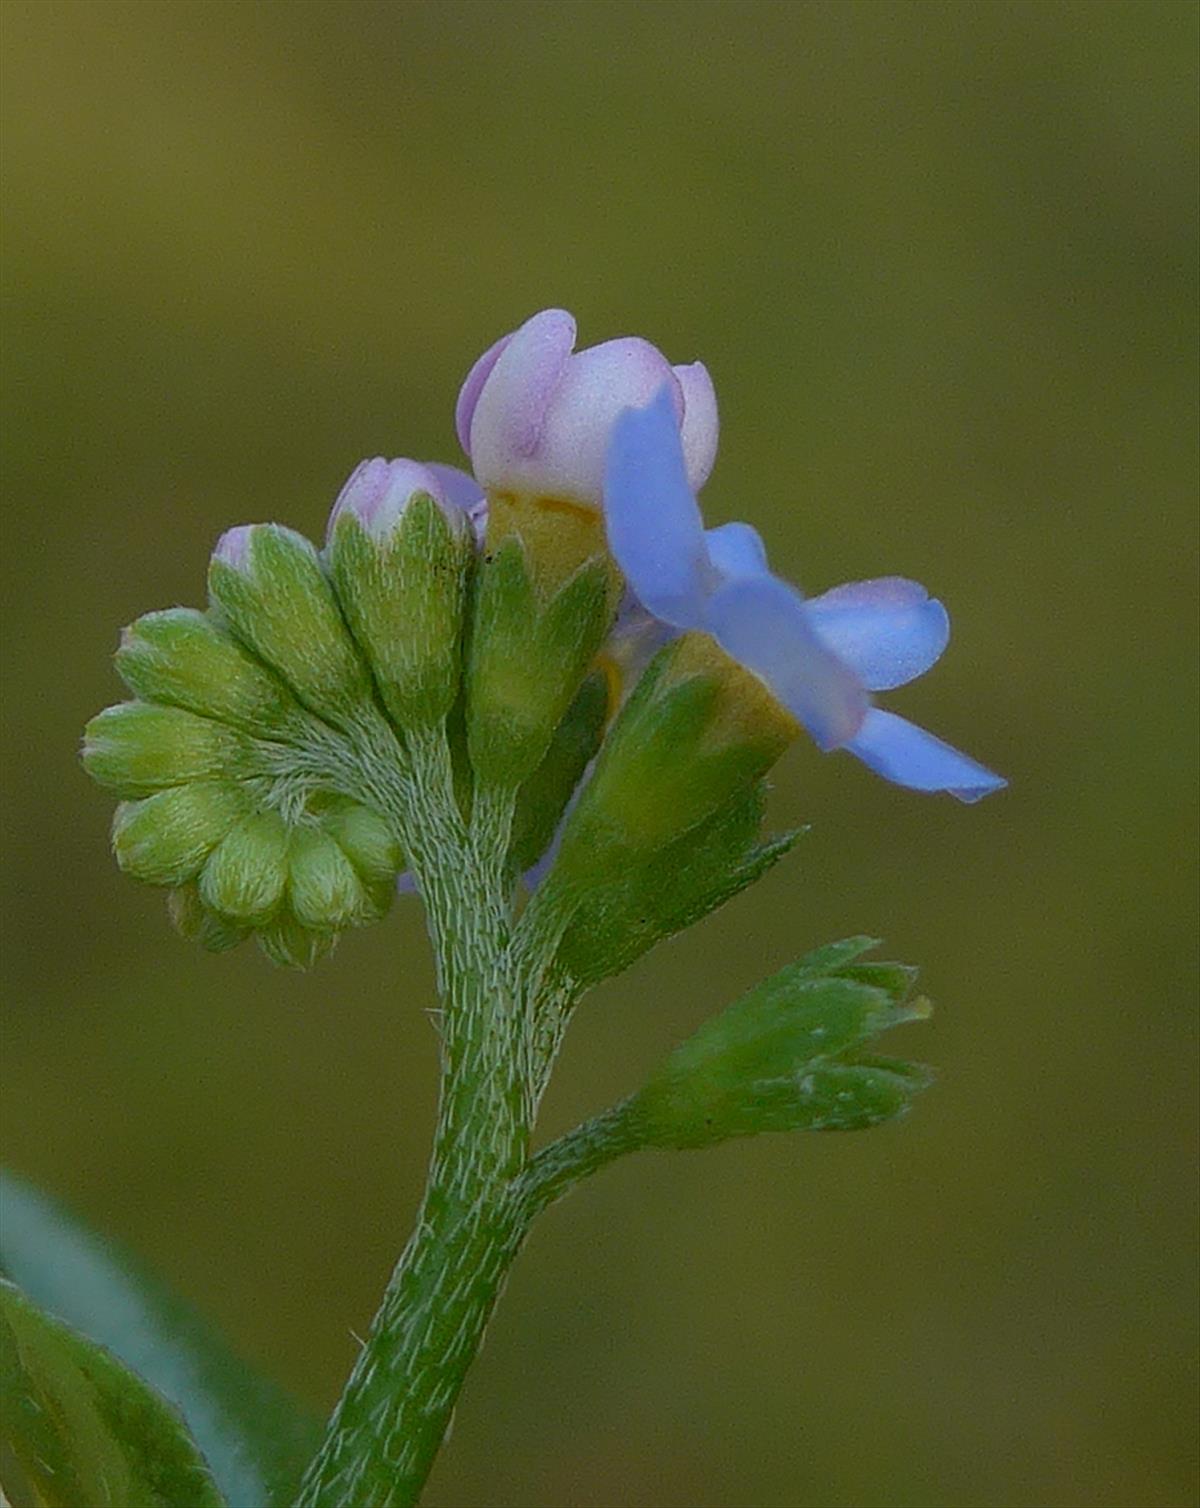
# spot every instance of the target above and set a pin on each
(480, 607)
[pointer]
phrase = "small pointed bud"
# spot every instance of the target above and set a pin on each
(181, 658)
(696, 730)
(366, 840)
(292, 945)
(195, 922)
(378, 494)
(268, 585)
(788, 1056)
(244, 878)
(399, 553)
(137, 749)
(324, 892)
(166, 838)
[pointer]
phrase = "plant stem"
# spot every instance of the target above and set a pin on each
(557, 1168)
(383, 1437)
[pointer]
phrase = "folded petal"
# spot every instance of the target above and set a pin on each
(596, 386)
(700, 424)
(653, 520)
(458, 487)
(468, 394)
(900, 751)
(736, 550)
(762, 622)
(889, 631)
(513, 395)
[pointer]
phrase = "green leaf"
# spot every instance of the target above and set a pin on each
(617, 922)
(789, 1056)
(84, 1428)
(255, 1441)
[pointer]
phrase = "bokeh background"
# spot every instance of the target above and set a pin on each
(941, 262)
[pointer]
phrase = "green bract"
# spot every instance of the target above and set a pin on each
(544, 796)
(619, 919)
(789, 1056)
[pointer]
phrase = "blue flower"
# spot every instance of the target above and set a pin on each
(821, 657)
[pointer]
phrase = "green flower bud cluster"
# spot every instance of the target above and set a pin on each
(211, 761)
(296, 885)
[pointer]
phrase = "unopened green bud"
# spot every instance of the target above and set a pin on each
(166, 838)
(137, 748)
(545, 594)
(324, 891)
(366, 840)
(295, 886)
(244, 877)
(399, 555)
(268, 585)
(696, 730)
(195, 922)
(663, 892)
(787, 1056)
(181, 658)
(292, 945)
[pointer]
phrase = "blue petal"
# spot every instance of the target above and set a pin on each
(889, 631)
(763, 623)
(654, 526)
(737, 550)
(900, 751)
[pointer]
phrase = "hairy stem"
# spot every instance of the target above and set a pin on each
(385, 1432)
(557, 1168)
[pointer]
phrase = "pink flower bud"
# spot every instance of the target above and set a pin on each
(535, 416)
(379, 491)
(232, 547)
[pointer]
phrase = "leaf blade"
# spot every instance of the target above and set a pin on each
(85, 1428)
(255, 1440)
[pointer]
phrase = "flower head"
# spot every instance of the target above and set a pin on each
(820, 657)
(535, 416)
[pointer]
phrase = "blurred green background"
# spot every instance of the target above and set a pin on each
(941, 262)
